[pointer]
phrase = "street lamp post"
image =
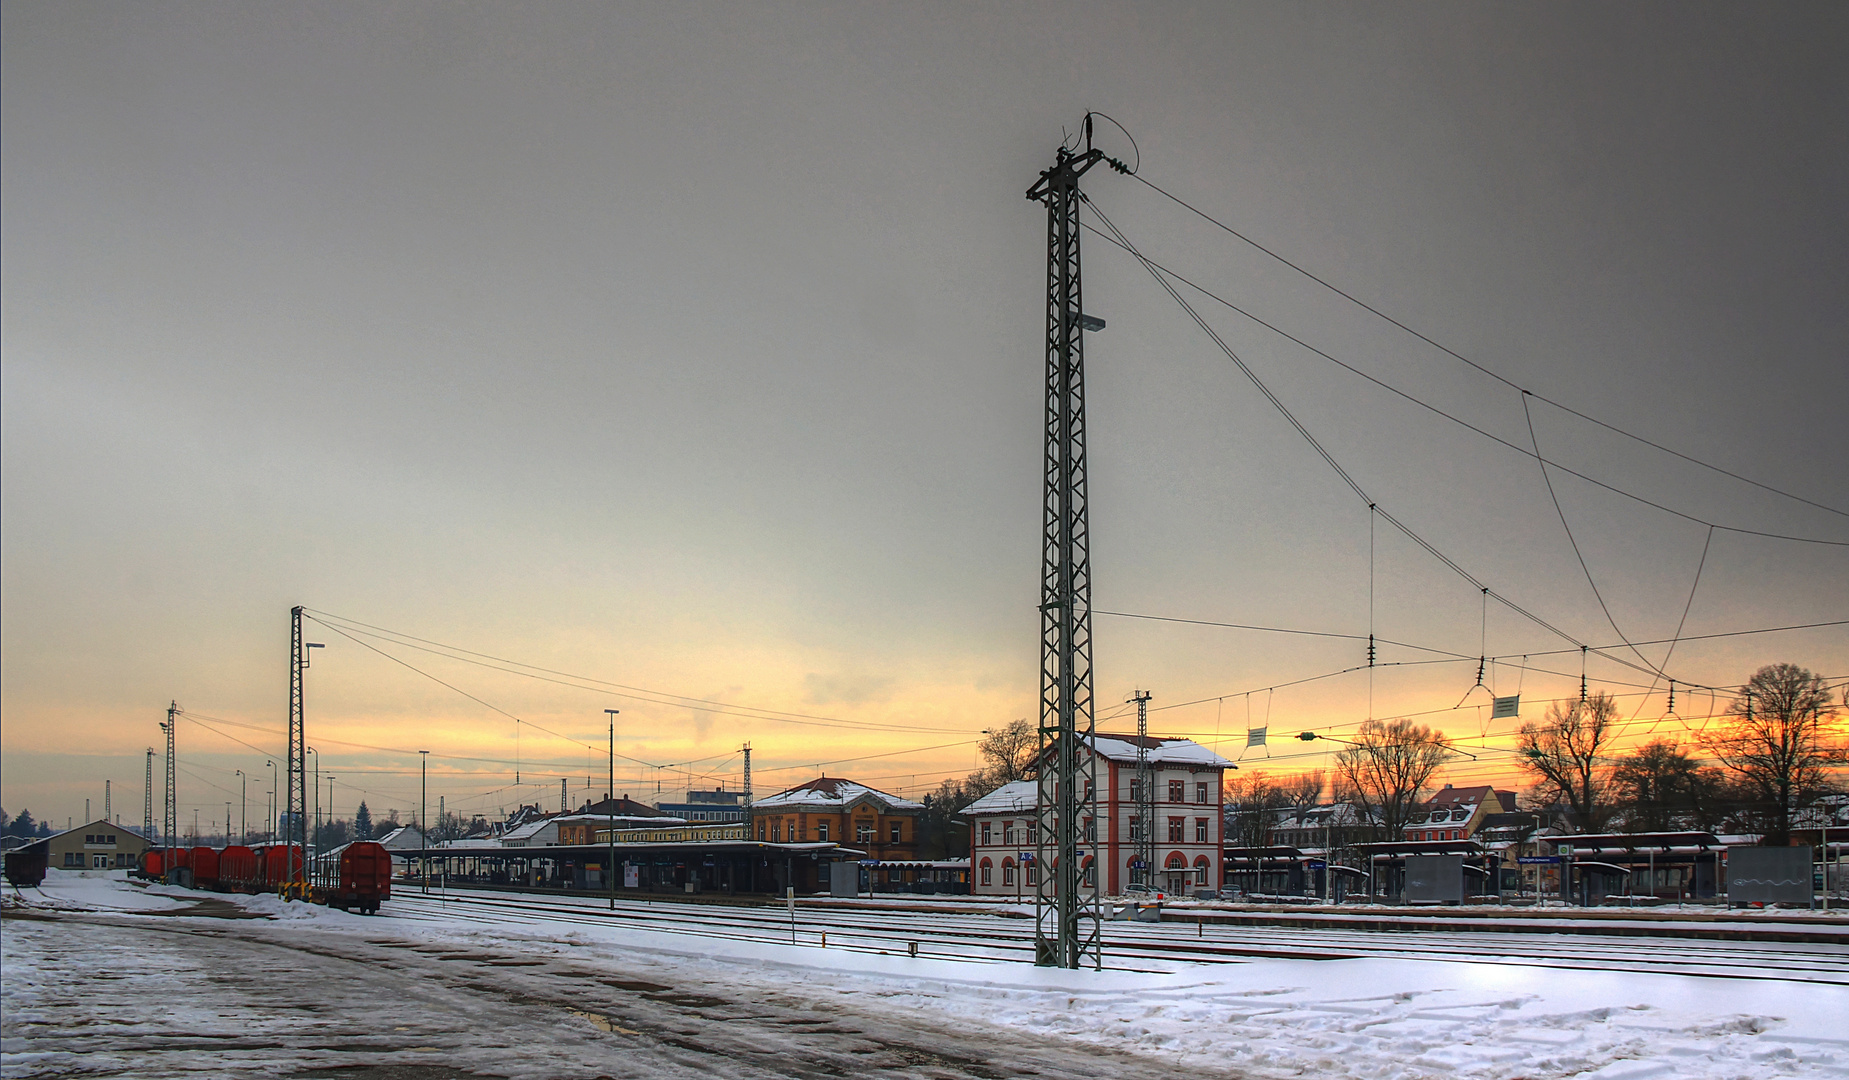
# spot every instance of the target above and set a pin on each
(314, 838)
(272, 828)
(423, 811)
(610, 866)
(243, 808)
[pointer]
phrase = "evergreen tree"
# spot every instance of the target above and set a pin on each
(23, 825)
(362, 823)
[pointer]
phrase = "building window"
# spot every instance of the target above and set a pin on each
(776, 832)
(1007, 871)
(1033, 875)
(863, 832)
(897, 832)
(1136, 790)
(821, 830)
(71, 859)
(1007, 832)
(1033, 833)
(1201, 868)
(760, 832)
(1136, 828)
(1090, 881)
(1174, 829)
(1200, 793)
(988, 836)
(1200, 830)
(987, 872)
(112, 838)
(1176, 789)
(1091, 831)
(1088, 791)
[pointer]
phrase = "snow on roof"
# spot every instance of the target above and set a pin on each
(1161, 751)
(526, 830)
(1014, 797)
(831, 793)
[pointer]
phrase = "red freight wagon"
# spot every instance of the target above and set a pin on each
(282, 863)
(237, 870)
(205, 868)
(182, 858)
(357, 876)
(153, 866)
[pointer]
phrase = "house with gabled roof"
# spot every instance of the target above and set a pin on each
(1187, 830)
(830, 809)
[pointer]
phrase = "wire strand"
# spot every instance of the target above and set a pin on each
(1351, 298)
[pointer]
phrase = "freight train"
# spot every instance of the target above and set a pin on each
(356, 876)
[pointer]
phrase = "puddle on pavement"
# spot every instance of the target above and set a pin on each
(601, 1022)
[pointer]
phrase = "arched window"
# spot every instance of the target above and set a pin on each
(988, 872)
(1201, 869)
(1176, 861)
(1007, 871)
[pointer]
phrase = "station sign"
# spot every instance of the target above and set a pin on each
(1538, 860)
(1318, 864)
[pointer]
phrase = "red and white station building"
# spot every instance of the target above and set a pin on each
(1188, 841)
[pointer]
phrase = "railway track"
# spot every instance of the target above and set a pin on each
(993, 938)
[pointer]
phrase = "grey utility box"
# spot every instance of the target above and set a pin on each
(843, 879)
(1769, 875)
(1434, 879)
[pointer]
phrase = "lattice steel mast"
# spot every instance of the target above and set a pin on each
(1067, 926)
(1145, 794)
(296, 814)
(170, 814)
(147, 801)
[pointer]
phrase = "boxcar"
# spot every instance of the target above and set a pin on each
(204, 862)
(25, 866)
(153, 864)
(359, 875)
(282, 863)
(237, 870)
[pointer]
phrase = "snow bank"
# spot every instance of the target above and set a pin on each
(92, 891)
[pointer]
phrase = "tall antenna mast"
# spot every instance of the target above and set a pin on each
(170, 819)
(747, 775)
(296, 811)
(1067, 927)
(1145, 793)
(147, 802)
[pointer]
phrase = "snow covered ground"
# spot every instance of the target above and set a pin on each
(1374, 1018)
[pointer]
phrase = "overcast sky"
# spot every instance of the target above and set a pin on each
(698, 349)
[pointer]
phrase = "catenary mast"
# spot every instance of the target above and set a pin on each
(1067, 927)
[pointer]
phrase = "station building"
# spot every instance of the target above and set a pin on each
(99, 845)
(1187, 827)
(830, 810)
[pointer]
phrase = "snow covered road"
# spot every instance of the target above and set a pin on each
(488, 992)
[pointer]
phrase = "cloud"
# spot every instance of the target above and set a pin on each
(819, 689)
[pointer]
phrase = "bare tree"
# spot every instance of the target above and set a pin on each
(1565, 753)
(1305, 789)
(1008, 753)
(1777, 742)
(1251, 807)
(1387, 769)
(1659, 787)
